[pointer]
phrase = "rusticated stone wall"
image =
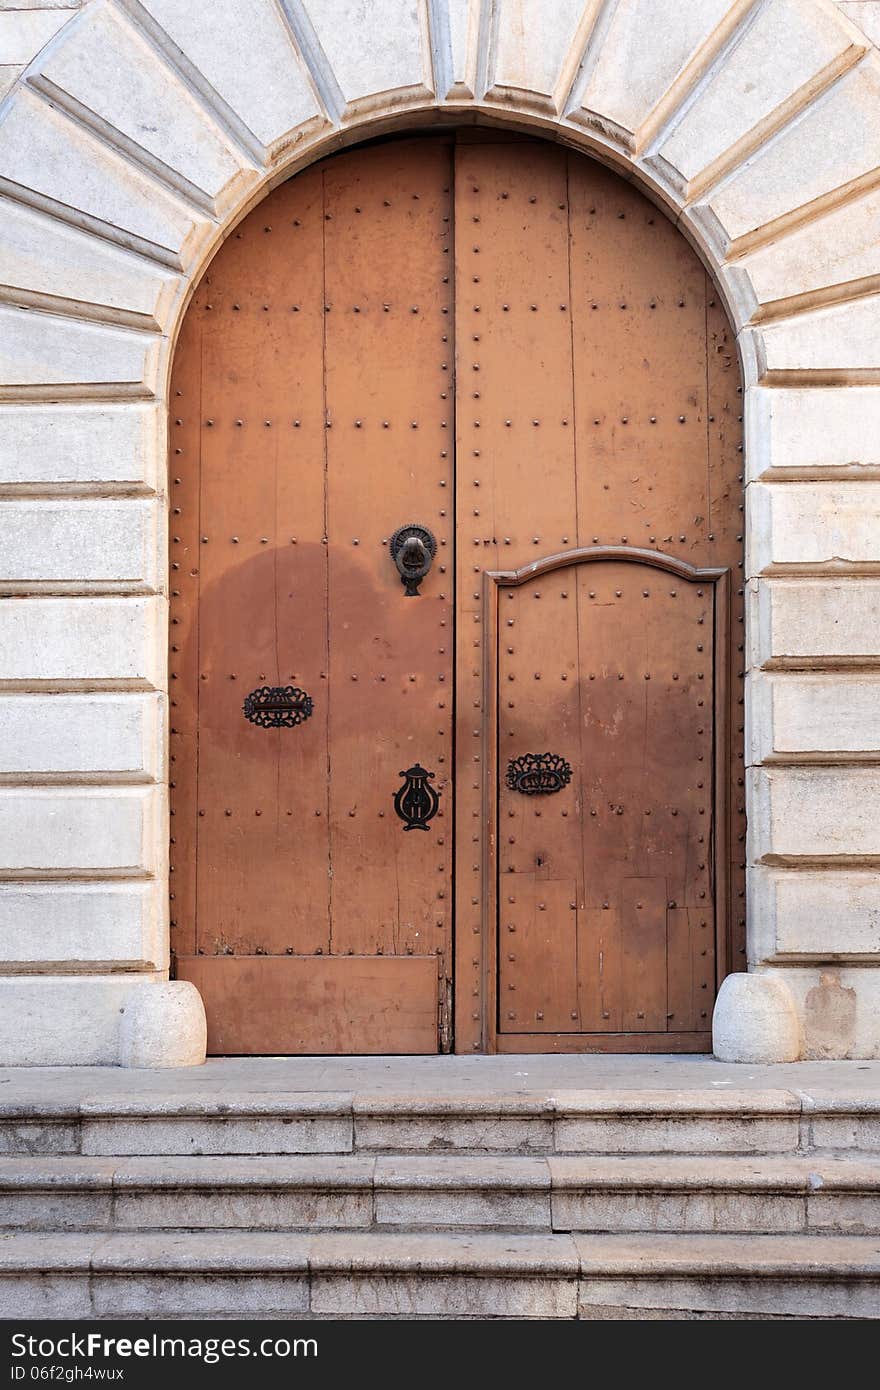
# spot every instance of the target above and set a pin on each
(133, 135)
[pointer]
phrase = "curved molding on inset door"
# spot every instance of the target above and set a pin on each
(716, 578)
(588, 554)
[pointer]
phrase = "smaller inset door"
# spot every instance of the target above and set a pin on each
(608, 688)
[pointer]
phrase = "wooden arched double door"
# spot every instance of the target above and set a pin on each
(456, 614)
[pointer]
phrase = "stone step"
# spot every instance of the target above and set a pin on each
(449, 1275)
(615, 1121)
(772, 1194)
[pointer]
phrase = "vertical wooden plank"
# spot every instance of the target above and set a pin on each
(600, 968)
(537, 957)
(689, 949)
(539, 835)
(639, 369)
(515, 445)
(389, 426)
(643, 954)
(646, 662)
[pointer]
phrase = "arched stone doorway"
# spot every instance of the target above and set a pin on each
(131, 145)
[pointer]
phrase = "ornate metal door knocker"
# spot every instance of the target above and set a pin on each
(412, 549)
(277, 706)
(416, 801)
(538, 774)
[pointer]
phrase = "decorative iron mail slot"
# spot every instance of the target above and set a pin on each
(278, 706)
(538, 774)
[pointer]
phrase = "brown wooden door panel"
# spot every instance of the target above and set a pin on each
(517, 484)
(391, 657)
(632, 698)
(297, 1004)
(505, 342)
(313, 387)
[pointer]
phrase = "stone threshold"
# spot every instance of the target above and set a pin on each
(535, 1080)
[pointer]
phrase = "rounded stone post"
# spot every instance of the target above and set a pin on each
(755, 1020)
(163, 1025)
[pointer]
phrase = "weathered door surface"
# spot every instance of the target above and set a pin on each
(501, 351)
(607, 716)
(312, 420)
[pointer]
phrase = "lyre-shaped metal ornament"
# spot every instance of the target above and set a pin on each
(416, 802)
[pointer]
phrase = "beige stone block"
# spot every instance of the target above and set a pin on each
(45, 350)
(864, 13)
(805, 622)
(77, 542)
(794, 715)
(91, 185)
(450, 1132)
(246, 57)
(84, 735)
(811, 524)
(257, 1210)
(56, 1210)
(780, 53)
(104, 66)
(794, 430)
(735, 1296)
(535, 51)
(846, 1131)
(45, 1296)
(696, 1134)
(839, 1007)
(459, 72)
(627, 76)
(82, 922)
(855, 1213)
(197, 1295)
(814, 812)
(82, 639)
(9, 75)
(193, 1135)
(52, 263)
(39, 1137)
(454, 1207)
(843, 337)
(661, 1211)
(80, 445)
(839, 248)
(450, 1296)
(810, 912)
(836, 141)
(24, 32)
(95, 830)
(50, 1021)
(378, 53)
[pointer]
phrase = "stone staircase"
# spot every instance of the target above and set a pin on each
(592, 1204)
